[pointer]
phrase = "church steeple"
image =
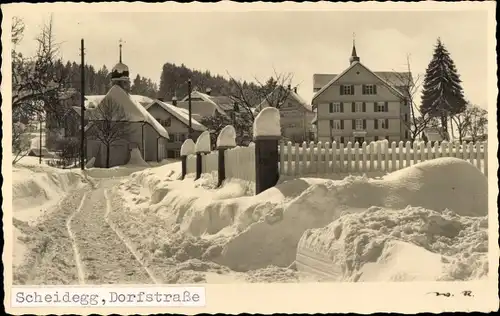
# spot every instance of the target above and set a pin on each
(354, 56)
(120, 72)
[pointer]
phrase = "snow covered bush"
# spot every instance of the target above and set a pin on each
(21, 141)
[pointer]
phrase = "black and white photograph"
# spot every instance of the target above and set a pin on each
(197, 147)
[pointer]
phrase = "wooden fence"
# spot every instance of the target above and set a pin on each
(324, 159)
(239, 163)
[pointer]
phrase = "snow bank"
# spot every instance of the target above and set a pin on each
(412, 244)
(267, 123)
(203, 143)
(227, 137)
(90, 163)
(245, 232)
(188, 147)
(35, 189)
(136, 158)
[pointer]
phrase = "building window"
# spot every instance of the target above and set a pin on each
(381, 107)
(360, 107)
(335, 107)
(358, 124)
(369, 89)
(347, 90)
(381, 123)
(342, 139)
(336, 124)
(177, 154)
(165, 123)
(375, 138)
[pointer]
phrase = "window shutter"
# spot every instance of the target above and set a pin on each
(341, 124)
(364, 106)
(374, 89)
(352, 89)
(363, 89)
(386, 123)
(375, 107)
(353, 124)
(353, 107)
(341, 89)
(364, 124)
(331, 123)
(331, 107)
(386, 105)
(375, 122)
(342, 107)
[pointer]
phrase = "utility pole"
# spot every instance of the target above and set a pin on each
(82, 109)
(189, 108)
(40, 140)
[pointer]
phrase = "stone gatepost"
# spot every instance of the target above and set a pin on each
(187, 149)
(202, 147)
(225, 140)
(266, 134)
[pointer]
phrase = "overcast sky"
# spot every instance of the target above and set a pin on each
(250, 44)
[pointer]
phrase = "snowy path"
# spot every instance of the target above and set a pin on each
(76, 244)
(106, 258)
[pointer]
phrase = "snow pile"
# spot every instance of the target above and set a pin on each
(412, 244)
(136, 158)
(244, 233)
(188, 147)
(227, 137)
(90, 163)
(35, 188)
(267, 123)
(203, 143)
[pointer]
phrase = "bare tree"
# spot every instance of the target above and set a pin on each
(17, 30)
(250, 99)
(109, 124)
(409, 85)
(37, 81)
(21, 141)
(472, 122)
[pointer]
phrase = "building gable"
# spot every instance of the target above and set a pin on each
(357, 74)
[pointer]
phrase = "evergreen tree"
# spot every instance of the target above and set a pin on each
(442, 93)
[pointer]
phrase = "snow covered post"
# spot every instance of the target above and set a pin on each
(187, 149)
(266, 133)
(202, 147)
(225, 140)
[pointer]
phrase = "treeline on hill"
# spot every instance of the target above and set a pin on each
(173, 81)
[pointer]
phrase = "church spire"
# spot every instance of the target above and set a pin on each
(121, 41)
(354, 56)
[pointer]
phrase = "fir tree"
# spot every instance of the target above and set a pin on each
(442, 93)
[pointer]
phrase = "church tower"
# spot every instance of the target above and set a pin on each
(120, 74)
(354, 57)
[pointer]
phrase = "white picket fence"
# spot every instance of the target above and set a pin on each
(239, 163)
(323, 159)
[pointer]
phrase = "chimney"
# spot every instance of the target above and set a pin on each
(208, 91)
(295, 89)
(289, 87)
(174, 100)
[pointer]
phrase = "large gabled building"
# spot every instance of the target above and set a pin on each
(360, 105)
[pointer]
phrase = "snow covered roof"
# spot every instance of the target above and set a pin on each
(292, 94)
(179, 113)
(96, 99)
(134, 109)
(208, 108)
(384, 76)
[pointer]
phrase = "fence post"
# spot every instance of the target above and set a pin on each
(225, 140)
(266, 133)
(202, 147)
(187, 149)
